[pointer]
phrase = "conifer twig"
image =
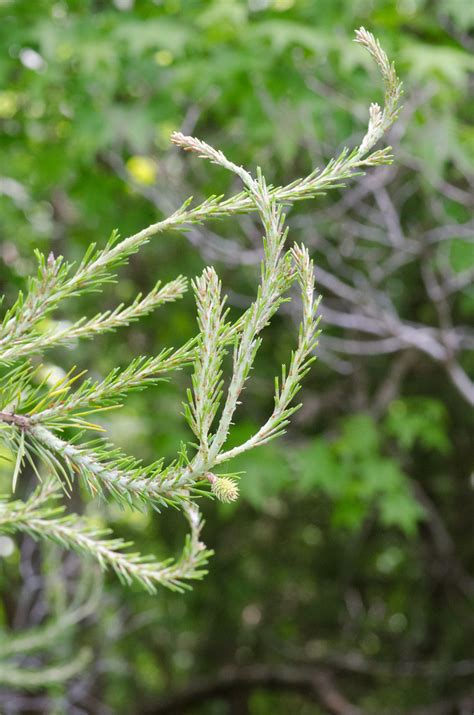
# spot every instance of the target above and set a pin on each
(44, 423)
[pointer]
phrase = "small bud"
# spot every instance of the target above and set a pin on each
(225, 489)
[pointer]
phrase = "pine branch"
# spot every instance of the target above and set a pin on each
(104, 468)
(277, 276)
(62, 406)
(20, 338)
(301, 360)
(43, 521)
(34, 414)
(207, 381)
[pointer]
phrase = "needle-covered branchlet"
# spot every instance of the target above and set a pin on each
(39, 415)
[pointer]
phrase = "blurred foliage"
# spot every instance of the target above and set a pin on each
(350, 543)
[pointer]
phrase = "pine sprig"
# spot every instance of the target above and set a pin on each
(37, 415)
(63, 406)
(106, 470)
(291, 378)
(42, 519)
(21, 338)
(206, 393)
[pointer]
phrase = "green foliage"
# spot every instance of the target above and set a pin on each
(420, 421)
(352, 470)
(302, 571)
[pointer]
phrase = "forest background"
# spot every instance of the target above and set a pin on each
(343, 577)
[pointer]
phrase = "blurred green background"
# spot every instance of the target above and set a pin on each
(343, 579)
